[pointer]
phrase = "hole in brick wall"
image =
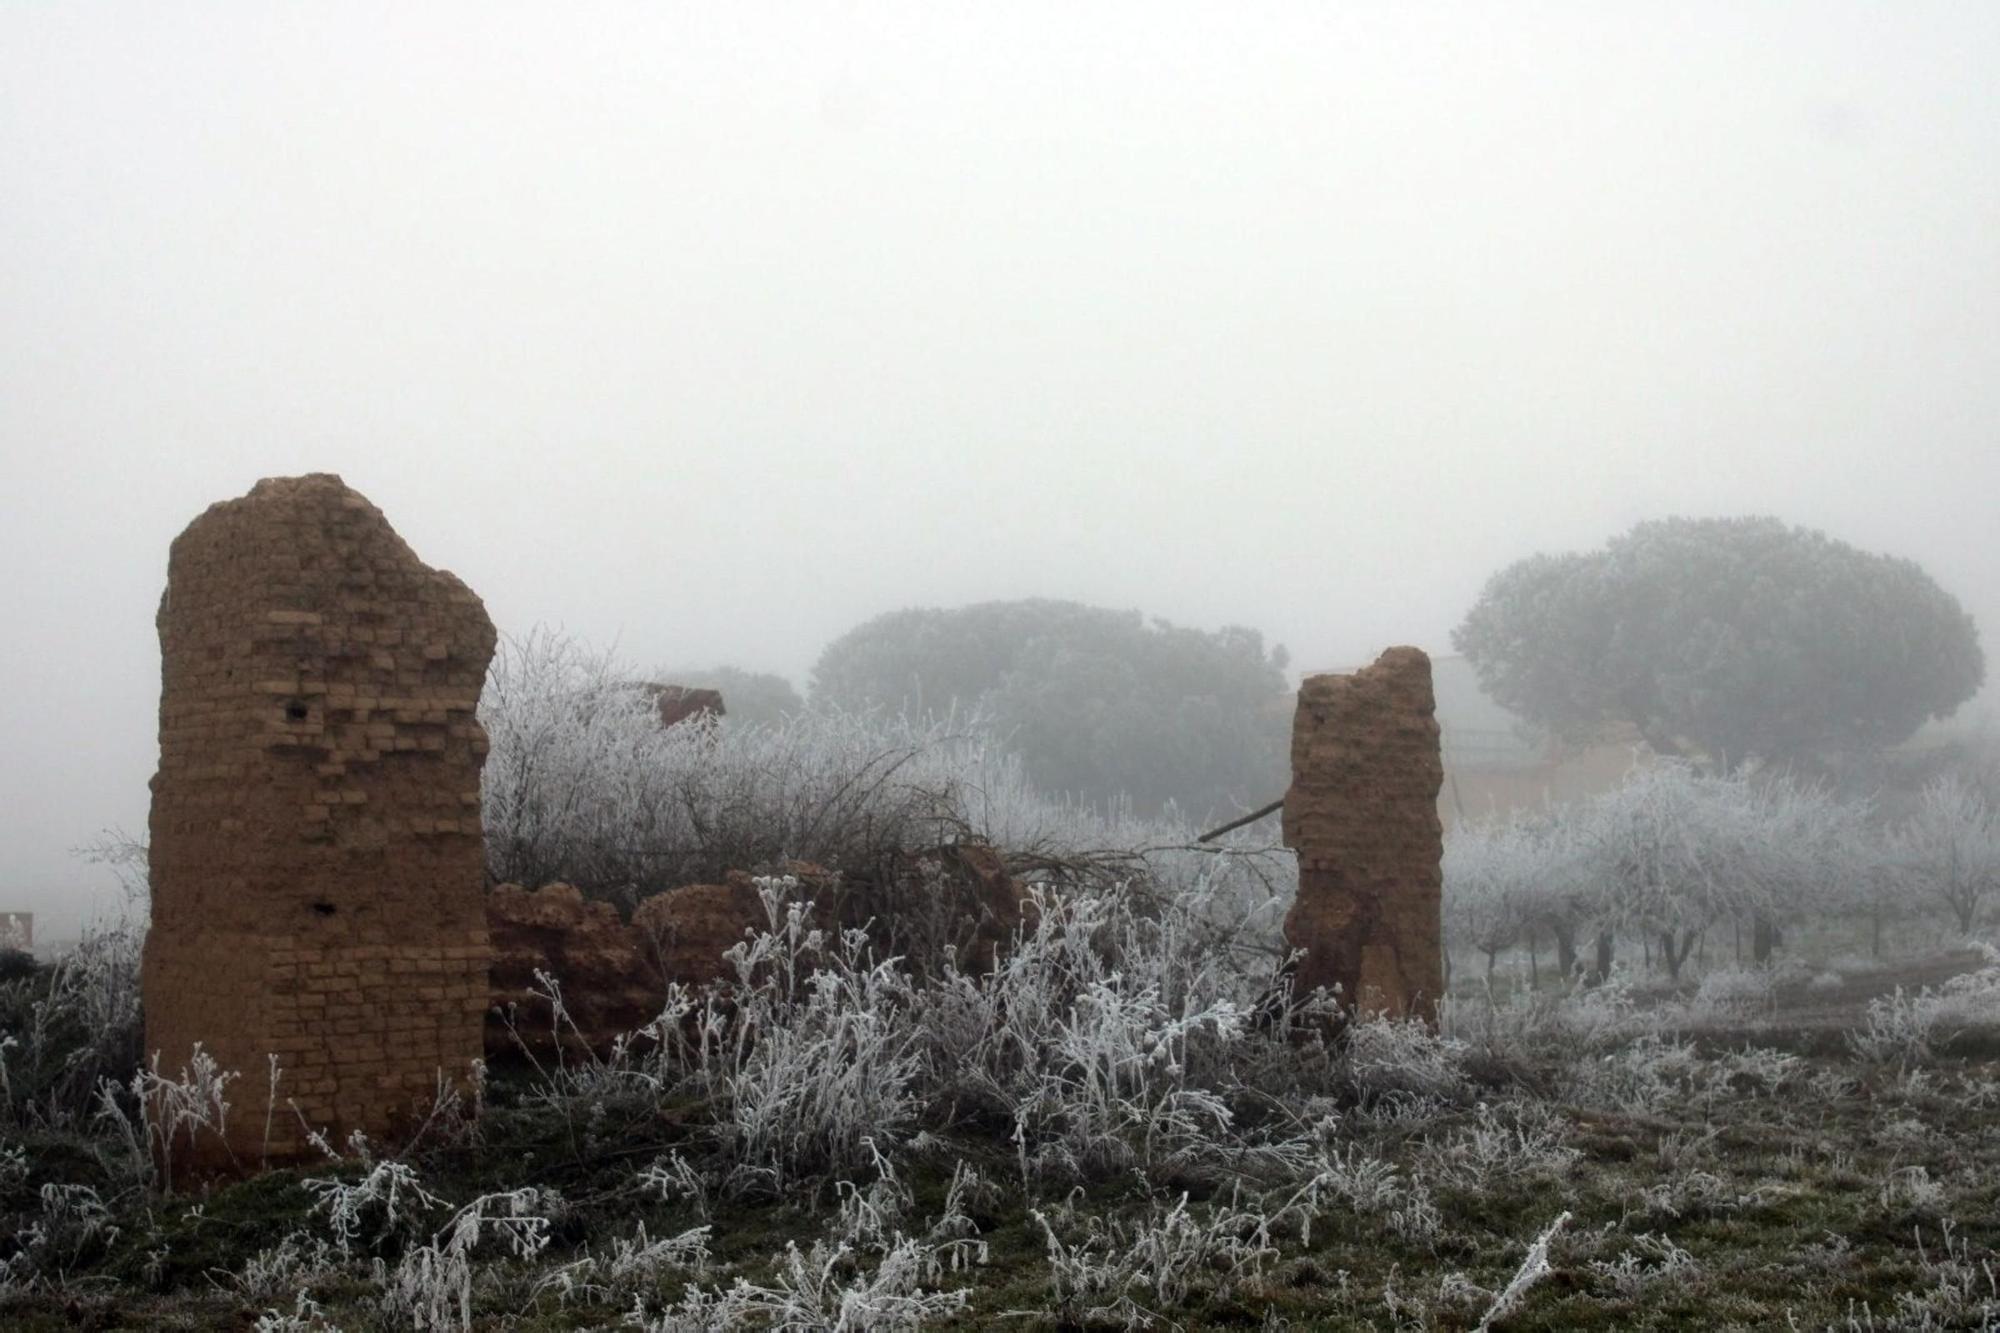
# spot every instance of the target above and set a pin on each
(295, 712)
(323, 909)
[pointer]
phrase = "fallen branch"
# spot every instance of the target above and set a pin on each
(1239, 822)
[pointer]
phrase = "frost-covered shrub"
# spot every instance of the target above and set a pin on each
(822, 1288)
(305, 1316)
(1364, 1183)
(68, 1026)
(1130, 1272)
(1948, 849)
(431, 1286)
(1385, 1059)
(1647, 1259)
(1102, 1041)
(72, 1225)
(164, 1111)
(379, 1212)
(830, 1058)
(293, 1264)
(1904, 1028)
(632, 1268)
(1512, 1141)
(582, 784)
(1734, 993)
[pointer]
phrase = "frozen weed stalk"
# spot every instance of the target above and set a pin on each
(634, 1267)
(1159, 1257)
(828, 1053)
(1534, 1267)
(382, 1209)
(820, 1289)
(431, 1287)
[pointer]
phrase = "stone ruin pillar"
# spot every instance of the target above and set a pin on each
(1362, 816)
(317, 871)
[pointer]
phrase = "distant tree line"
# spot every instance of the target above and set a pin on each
(1101, 705)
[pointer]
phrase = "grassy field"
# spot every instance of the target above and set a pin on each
(1096, 1135)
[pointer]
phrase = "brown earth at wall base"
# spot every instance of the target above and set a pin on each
(607, 984)
(614, 974)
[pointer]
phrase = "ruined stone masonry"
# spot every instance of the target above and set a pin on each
(681, 703)
(1362, 816)
(316, 863)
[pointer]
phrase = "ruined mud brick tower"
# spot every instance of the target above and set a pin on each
(317, 872)
(1362, 816)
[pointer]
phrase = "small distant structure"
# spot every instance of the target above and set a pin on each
(682, 703)
(1495, 765)
(17, 931)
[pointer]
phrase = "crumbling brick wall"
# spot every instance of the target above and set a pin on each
(1362, 816)
(316, 864)
(679, 703)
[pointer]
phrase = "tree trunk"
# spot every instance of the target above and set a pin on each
(1602, 973)
(1534, 964)
(1676, 953)
(1875, 941)
(1565, 950)
(1764, 937)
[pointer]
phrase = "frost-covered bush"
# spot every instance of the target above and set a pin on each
(632, 1268)
(1509, 1141)
(1130, 1272)
(72, 1225)
(830, 1057)
(1948, 850)
(431, 1286)
(68, 1026)
(583, 785)
(1904, 1028)
(1731, 992)
(822, 1288)
(1103, 1042)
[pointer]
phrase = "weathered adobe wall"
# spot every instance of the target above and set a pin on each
(679, 703)
(316, 864)
(1362, 815)
(614, 975)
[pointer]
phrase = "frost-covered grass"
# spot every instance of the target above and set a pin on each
(1104, 1129)
(1122, 1121)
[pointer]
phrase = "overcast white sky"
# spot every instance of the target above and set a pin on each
(716, 329)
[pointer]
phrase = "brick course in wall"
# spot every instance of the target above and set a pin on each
(1362, 815)
(316, 863)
